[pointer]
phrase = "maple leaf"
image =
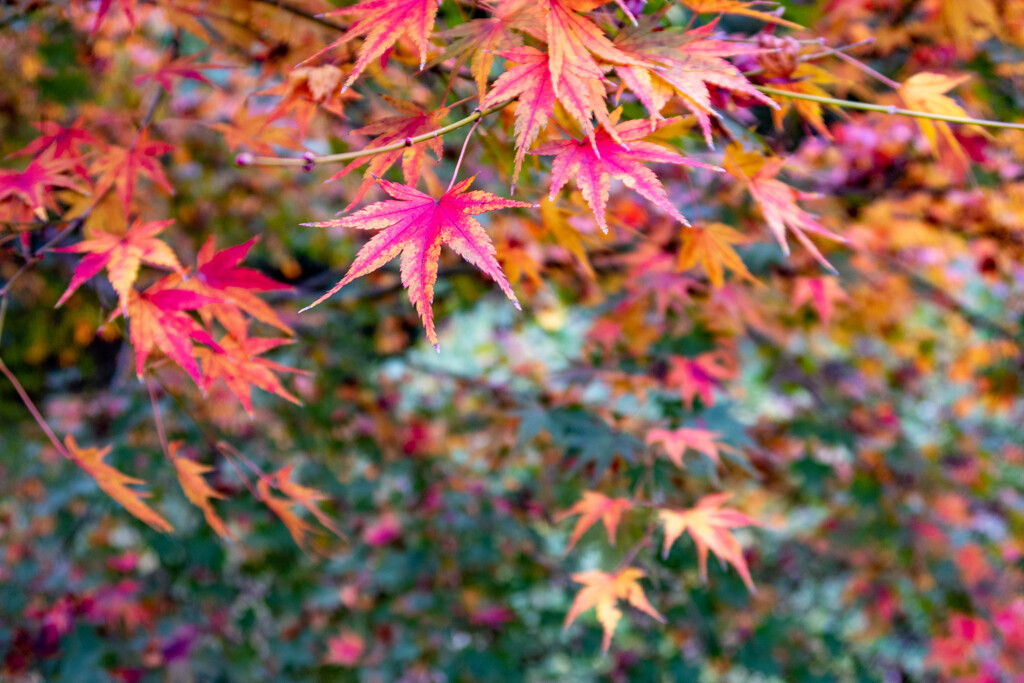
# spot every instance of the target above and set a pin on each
(478, 40)
(120, 167)
(684, 64)
(531, 83)
(416, 225)
(199, 493)
(738, 7)
(238, 364)
(591, 508)
(256, 133)
(234, 288)
(697, 376)
(186, 68)
(778, 201)
(122, 256)
(603, 590)
(115, 483)
(158, 321)
(57, 142)
(410, 122)
(709, 525)
(383, 22)
(594, 166)
(282, 507)
(711, 246)
(676, 442)
(307, 90)
(803, 79)
(32, 186)
(820, 292)
(926, 91)
(304, 496)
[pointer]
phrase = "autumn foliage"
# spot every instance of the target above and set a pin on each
(676, 340)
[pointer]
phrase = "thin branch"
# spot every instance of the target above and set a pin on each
(299, 12)
(889, 109)
(32, 409)
(465, 144)
(38, 253)
(310, 160)
(161, 432)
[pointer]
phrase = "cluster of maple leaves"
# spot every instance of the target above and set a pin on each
(564, 69)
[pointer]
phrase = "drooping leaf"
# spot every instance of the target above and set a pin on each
(416, 225)
(122, 256)
(603, 590)
(304, 496)
(199, 493)
(710, 526)
(282, 507)
(594, 166)
(591, 508)
(115, 483)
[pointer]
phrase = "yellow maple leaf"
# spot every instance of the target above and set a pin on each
(926, 92)
(603, 590)
(199, 493)
(711, 246)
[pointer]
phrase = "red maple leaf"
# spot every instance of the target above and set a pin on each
(410, 122)
(593, 167)
(416, 225)
(677, 441)
(121, 255)
(478, 40)
(187, 68)
(158, 320)
(120, 167)
(307, 90)
(383, 22)
(698, 376)
(57, 141)
(32, 186)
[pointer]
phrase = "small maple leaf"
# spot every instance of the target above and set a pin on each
(120, 168)
(684, 64)
(738, 7)
(238, 364)
(676, 442)
(410, 122)
(711, 246)
(127, 7)
(115, 483)
(282, 507)
(778, 201)
(234, 288)
(710, 525)
(32, 186)
(821, 292)
(57, 142)
(478, 40)
(416, 225)
(256, 133)
(926, 91)
(592, 507)
(383, 22)
(697, 376)
(304, 496)
(307, 90)
(158, 320)
(594, 166)
(199, 493)
(122, 256)
(186, 68)
(603, 591)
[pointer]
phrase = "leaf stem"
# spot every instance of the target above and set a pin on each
(890, 109)
(308, 160)
(32, 409)
(465, 144)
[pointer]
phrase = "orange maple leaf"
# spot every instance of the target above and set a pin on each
(282, 507)
(304, 496)
(595, 165)
(255, 133)
(416, 225)
(478, 40)
(709, 525)
(383, 22)
(738, 7)
(307, 90)
(199, 493)
(120, 168)
(926, 91)
(122, 256)
(592, 507)
(410, 122)
(711, 246)
(115, 483)
(239, 366)
(603, 591)
(677, 441)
